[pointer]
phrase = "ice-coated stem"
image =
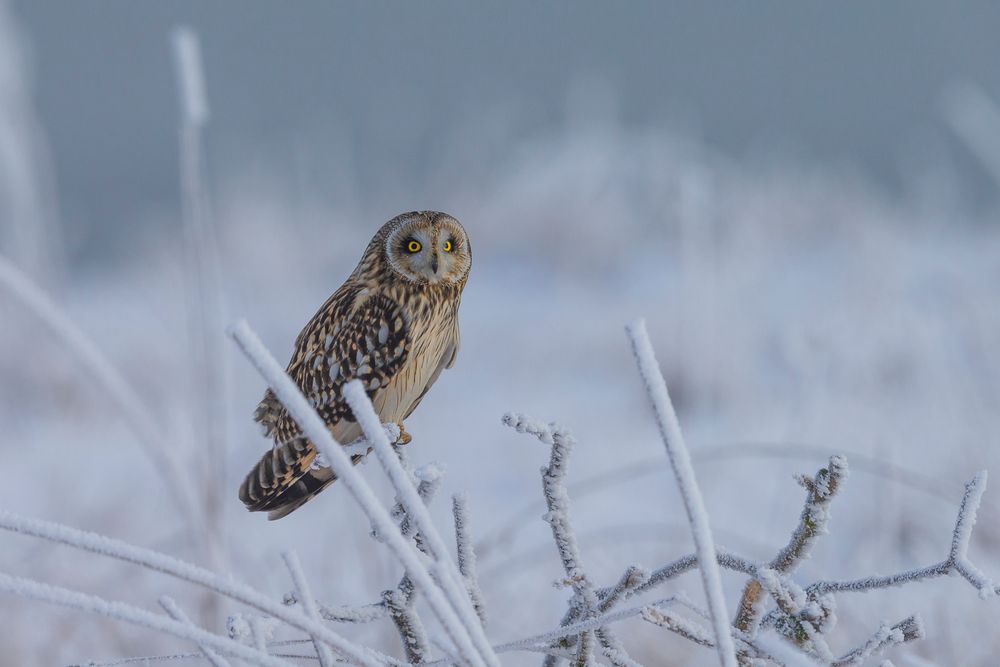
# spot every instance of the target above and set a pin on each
(411, 631)
(178, 615)
(449, 578)
(680, 460)
(561, 442)
(820, 491)
(160, 562)
(308, 603)
(64, 597)
(466, 554)
(115, 386)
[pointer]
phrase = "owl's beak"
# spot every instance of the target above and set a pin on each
(434, 264)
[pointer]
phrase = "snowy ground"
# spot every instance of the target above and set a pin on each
(795, 313)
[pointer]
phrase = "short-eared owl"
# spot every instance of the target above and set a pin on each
(393, 325)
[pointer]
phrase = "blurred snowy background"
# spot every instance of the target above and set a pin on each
(802, 198)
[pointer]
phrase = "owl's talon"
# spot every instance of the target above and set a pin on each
(404, 437)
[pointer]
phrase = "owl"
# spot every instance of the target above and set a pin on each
(393, 325)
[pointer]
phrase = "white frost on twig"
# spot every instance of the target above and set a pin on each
(359, 447)
(92, 604)
(676, 623)
(782, 651)
(448, 577)
(680, 460)
(190, 75)
(957, 560)
(169, 565)
(308, 603)
(466, 554)
(557, 502)
(177, 614)
(102, 371)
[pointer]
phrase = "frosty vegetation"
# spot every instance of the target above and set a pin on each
(435, 602)
(780, 620)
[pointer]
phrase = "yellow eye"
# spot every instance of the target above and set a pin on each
(448, 247)
(413, 246)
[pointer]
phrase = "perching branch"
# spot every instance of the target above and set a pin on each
(314, 428)
(443, 570)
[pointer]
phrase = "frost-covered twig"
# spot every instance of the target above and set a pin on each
(177, 614)
(958, 556)
(561, 442)
(344, 614)
(676, 623)
(314, 428)
(258, 633)
(443, 568)
(583, 626)
(782, 652)
(957, 560)
(680, 460)
(411, 629)
(820, 491)
(466, 554)
(308, 603)
(634, 578)
(160, 562)
(677, 567)
(802, 622)
(64, 597)
(907, 630)
(102, 371)
(429, 481)
(204, 277)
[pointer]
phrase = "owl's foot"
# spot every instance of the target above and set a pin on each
(404, 437)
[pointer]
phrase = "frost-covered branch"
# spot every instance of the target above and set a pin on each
(690, 630)
(956, 562)
(694, 505)
(466, 554)
(820, 491)
(411, 629)
(206, 308)
(308, 603)
(907, 630)
(92, 604)
(314, 428)
(177, 614)
(634, 578)
(443, 568)
(561, 442)
(159, 562)
(115, 386)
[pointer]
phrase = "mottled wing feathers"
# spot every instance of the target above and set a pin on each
(369, 344)
(354, 336)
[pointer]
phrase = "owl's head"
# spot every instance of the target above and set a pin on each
(428, 247)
